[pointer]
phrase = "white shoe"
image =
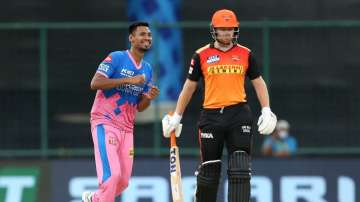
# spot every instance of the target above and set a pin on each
(86, 196)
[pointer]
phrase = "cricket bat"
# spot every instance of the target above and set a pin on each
(175, 172)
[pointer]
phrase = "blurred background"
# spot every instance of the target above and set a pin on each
(307, 52)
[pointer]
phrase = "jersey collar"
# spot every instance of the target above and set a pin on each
(212, 45)
(133, 61)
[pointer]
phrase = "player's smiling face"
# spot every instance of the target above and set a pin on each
(141, 38)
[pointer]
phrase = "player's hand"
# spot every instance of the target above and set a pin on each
(153, 93)
(137, 80)
(267, 121)
(171, 123)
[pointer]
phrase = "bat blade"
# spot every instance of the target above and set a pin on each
(175, 171)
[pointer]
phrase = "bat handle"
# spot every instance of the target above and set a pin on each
(172, 135)
(173, 139)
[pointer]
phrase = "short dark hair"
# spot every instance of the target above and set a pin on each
(134, 25)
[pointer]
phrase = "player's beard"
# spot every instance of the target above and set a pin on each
(145, 47)
(224, 40)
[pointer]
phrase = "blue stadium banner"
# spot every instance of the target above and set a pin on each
(166, 54)
(273, 180)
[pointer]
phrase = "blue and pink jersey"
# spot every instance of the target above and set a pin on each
(118, 106)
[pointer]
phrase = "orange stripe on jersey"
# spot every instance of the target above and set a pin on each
(202, 48)
(224, 75)
(243, 47)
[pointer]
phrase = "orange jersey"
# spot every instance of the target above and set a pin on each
(224, 74)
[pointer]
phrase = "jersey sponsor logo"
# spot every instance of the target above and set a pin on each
(192, 62)
(206, 135)
(191, 69)
(130, 89)
(212, 59)
(108, 59)
(246, 129)
(126, 72)
(104, 67)
(225, 69)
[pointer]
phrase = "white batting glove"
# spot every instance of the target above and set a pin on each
(171, 123)
(267, 121)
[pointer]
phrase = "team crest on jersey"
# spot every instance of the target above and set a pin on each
(108, 59)
(212, 59)
(235, 57)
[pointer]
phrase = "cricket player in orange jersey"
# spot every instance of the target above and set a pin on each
(225, 118)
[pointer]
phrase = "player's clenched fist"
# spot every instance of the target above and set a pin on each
(153, 93)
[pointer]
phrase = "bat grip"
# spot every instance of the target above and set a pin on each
(173, 139)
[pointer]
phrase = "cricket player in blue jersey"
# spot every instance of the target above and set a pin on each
(123, 81)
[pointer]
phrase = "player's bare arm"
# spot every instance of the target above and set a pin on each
(99, 81)
(261, 91)
(185, 96)
(267, 120)
(171, 123)
(145, 99)
(144, 103)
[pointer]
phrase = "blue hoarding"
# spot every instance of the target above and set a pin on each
(273, 180)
